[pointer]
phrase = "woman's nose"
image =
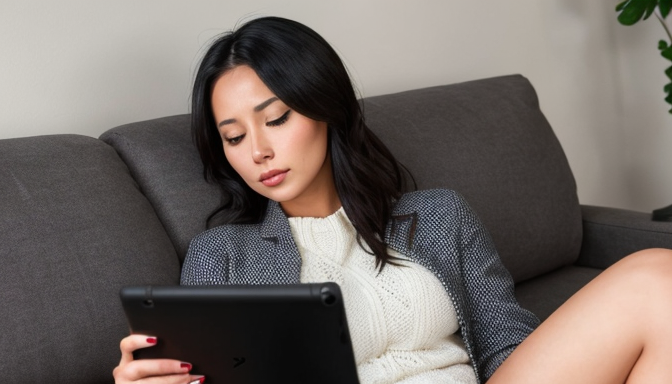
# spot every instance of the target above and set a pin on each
(261, 149)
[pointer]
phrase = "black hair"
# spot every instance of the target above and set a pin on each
(305, 72)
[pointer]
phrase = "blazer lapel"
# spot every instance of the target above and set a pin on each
(281, 258)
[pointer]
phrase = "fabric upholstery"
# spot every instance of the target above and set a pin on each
(75, 229)
(611, 234)
(542, 295)
(488, 140)
(165, 163)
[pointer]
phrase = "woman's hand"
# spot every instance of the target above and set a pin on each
(150, 370)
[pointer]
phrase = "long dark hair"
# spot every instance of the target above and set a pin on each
(305, 72)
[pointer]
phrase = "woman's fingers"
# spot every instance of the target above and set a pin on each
(139, 369)
(133, 342)
(199, 379)
(159, 370)
(150, 370)
(172, 379)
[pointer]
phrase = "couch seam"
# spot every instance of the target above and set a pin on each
(624, 227)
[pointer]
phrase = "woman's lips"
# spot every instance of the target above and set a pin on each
(273, 178)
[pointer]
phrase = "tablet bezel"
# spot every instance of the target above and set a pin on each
(247, 333)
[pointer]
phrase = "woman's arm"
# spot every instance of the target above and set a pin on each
(496, 322)
(205, 261)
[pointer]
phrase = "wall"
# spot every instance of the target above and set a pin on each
(643, 114)
(76, 66)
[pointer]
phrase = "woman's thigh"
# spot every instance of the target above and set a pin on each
(615, 330)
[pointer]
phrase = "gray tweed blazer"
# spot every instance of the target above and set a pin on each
(435, 228)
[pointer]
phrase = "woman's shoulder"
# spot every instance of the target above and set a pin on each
(206, 258)
(241, 236)
(225, 234)
(429, 200)
(436, 210)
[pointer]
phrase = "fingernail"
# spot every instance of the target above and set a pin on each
(186, 365)
(151, 340)
(200, 380)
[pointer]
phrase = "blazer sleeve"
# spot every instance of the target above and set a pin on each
(495, 319)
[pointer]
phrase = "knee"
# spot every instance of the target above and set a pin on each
(650, 275)
(651, 267)
(660, 257)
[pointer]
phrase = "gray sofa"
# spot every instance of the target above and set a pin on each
(82, 217)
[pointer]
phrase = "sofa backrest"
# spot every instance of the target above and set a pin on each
(166, 165)
(74, 229)
(487, 139)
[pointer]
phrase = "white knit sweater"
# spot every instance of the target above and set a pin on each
(402, 322)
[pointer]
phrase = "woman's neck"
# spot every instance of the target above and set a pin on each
(322, 208)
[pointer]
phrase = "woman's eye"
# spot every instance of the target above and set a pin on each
(280, 120)
(234, 140)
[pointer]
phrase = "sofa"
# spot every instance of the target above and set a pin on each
(82, 217)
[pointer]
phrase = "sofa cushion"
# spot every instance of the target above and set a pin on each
(166, 165)
(544, 294)
(488, 140)
(74, 230)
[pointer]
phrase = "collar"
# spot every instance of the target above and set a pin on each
(400, 231)
(275, 223)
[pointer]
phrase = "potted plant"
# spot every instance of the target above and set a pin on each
(632, 11)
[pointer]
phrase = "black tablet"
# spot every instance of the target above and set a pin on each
(247, 334)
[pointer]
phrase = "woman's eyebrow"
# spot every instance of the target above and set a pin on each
(265, 104)
(225, 122)
(258, 108)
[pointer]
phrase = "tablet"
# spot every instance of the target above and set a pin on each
(247, 334)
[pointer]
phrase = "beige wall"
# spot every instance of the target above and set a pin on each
(85, 66)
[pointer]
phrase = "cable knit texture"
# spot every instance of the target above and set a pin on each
(434, 228)
(402, 322)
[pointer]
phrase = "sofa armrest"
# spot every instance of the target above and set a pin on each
(609, 234)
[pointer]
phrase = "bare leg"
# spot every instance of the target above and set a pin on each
(617, 329)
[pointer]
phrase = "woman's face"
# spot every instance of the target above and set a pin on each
(280, 153)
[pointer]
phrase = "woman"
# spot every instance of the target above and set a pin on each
(310, 194)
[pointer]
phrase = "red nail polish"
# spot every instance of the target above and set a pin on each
(201, 380)
(151, 340)
(186, 365)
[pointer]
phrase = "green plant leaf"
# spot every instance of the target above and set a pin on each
(634, 10)
(668, 73)
(662, 44)
(667, 88)
(664, 6)
(650, 8)
(669, 99)
(667, 53)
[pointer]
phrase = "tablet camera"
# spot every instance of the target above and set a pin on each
(328, 298)
(148, 303)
